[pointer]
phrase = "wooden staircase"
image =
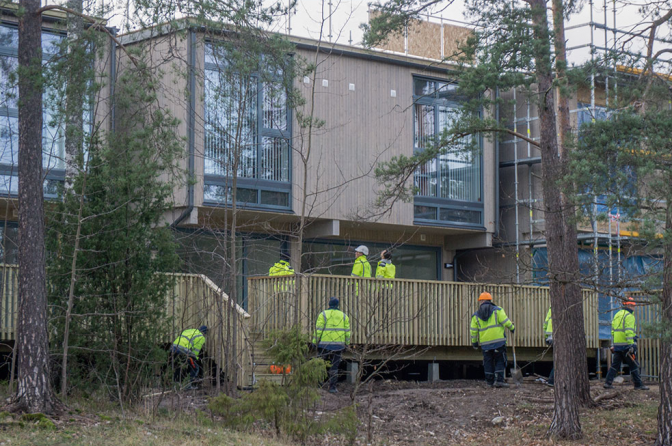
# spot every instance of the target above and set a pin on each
(261, 363)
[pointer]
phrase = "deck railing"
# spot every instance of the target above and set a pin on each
(404, 312)
(647, 316)
(194, 300)
(9, 301)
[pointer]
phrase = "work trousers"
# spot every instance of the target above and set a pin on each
(333, 357)
(180, 362)
(616, 360)
(494, 363)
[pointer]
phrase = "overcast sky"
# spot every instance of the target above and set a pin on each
(347, 16)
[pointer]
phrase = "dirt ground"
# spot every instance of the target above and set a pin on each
(460, 412)
(465, 412)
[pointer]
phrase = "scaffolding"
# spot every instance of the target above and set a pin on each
(523, 200)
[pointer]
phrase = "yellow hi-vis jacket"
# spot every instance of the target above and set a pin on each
(386, 270)
(361, 268)
(623, 330)
(548, 324)
(190, 342)
(281, 268)
(332, 330)
(490, 333)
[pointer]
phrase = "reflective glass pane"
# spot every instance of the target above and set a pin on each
(9, 141)
(260, 255)
(275, 159)
(9, 90)
(424, 126)
(53, 142)
(460, 216)
(222, 194)
(330, 258)
(9, 37)
(9, 184)
(447, 92)
(51, 43)
(273, 198)
(274, 106)
(425, 212)
(230, 128)
(9, 243)
(423, 87)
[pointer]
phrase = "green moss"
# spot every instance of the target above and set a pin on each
(38, 419)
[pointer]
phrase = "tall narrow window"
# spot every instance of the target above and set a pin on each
(247, 132)
(448, 187)
(53, 131)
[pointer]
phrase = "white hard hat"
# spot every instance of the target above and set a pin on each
(363, 249)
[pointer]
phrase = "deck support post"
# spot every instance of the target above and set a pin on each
(433, 372)
(352, 369)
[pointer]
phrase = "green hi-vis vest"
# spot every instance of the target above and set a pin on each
(492, 330)
(548, 324)
(361, 268)
(623, 329)
(386, 270)
(190, 341)
(281, 268)
(332, 329)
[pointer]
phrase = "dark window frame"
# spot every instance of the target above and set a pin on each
(261, 132)
(437, 202)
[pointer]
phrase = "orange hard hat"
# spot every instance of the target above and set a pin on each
(485, 296)
(629, 301)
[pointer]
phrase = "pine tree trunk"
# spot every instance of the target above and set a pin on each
(566, 303)
(34, 393)
(571, 247)
(665, 408)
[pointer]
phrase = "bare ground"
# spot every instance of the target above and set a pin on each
(462, 412)
(457, 412)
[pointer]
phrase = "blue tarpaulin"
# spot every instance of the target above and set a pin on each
(633, 270)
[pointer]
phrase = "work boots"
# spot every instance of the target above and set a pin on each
(637, 380)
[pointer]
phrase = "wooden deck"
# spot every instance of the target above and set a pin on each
(429, 317)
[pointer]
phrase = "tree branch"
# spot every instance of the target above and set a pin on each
(95, 23)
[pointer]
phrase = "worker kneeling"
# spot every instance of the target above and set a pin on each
(487, 329)
(332, 335)
(184, 354)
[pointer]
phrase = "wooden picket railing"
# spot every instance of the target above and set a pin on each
(404, 312)
(9, 301)
(648, 344)
(194, 300)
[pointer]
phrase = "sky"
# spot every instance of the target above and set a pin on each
(348, 15)
(310, 17)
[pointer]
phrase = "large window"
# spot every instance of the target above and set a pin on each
(53, 140)
(247, 128)
(412, 262)
(449, 186)
(204, 253)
